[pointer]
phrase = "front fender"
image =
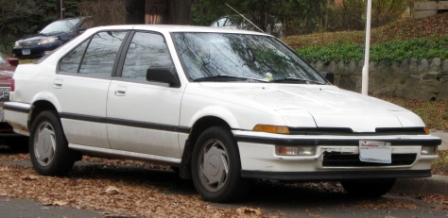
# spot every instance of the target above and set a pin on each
(215, 111)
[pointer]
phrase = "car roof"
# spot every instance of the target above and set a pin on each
(178, 28)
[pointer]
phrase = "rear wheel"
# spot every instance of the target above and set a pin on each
(49, 150)
(216, 166)
(368, 188)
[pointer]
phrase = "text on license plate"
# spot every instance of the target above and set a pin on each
(375, 152)
(26, 51)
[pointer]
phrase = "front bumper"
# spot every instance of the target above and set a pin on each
(36, 50)
(259, 159)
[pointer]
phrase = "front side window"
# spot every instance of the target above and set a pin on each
(94, 57)
(147, 50)
(243, 58)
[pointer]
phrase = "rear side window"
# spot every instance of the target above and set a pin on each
(70, 63)
(95, 57)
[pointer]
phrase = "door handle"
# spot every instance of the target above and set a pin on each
(57, 83)
(120, 90)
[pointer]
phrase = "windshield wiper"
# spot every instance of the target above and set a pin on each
(297, 80)
(224, 77)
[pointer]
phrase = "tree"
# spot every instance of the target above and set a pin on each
(16, 19)
(158, 11)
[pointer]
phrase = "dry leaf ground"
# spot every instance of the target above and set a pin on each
(110, 189)
(134, 188)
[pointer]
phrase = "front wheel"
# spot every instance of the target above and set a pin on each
(216, 166)
(49, 150)
(368, 187)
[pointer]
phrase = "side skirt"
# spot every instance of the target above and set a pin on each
(125, 154)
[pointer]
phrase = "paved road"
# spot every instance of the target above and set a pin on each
(11, 208)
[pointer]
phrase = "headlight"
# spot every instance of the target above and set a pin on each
(48, 40)
(271, 129)
(17, 44)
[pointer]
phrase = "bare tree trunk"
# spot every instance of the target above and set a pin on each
(156, 11)
(135, 11)
(168, 12)
(180, 12)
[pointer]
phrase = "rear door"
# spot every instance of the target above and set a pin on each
(143, 116)
(82, 85)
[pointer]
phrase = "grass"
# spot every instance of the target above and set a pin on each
(433, 113)
(441, 162)
(404, 29)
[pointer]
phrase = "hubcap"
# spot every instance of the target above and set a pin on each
(44, 143)
(213, 165)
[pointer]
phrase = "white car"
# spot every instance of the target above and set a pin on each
(223, 106)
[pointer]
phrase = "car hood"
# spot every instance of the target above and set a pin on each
(39, 36)
(328, 105)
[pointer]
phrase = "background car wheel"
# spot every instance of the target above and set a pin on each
(368, 188)
(216, 166)
(49, 150)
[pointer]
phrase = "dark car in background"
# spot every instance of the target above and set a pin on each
(49, 38)
(7, 136)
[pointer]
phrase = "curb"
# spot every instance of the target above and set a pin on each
(443, 136)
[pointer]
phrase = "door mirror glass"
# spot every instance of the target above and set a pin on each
(163, 75)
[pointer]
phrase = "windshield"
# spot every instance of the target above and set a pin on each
(256, 57)
(60, 26)
(2, 59)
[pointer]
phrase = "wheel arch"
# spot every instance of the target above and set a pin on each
(38, 107)
(198, 127)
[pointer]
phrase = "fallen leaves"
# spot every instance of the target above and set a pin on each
(29, 177)
(248, 211)
(112, 190)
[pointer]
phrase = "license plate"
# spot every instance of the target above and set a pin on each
(4, 94)
(26, 51)
(375, 152)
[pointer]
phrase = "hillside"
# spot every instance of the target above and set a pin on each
(404, 29)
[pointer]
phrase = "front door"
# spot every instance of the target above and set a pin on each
(143, 117)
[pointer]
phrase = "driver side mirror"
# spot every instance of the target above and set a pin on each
(163, 75)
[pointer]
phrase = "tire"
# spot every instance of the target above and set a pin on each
(373, 188)
(48, 146)
(214, 152)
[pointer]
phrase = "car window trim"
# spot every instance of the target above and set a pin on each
(119, 71)
(119, 52)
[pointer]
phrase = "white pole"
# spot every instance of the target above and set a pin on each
(365, 69)
(62, 9)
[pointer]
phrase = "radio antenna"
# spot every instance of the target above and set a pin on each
(244, 18)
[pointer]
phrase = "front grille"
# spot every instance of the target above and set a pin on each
(336, 159)
(29, 43)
